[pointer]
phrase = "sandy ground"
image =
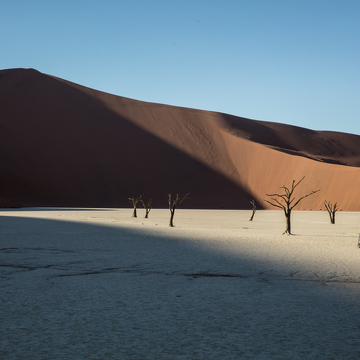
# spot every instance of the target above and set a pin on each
(98, 284)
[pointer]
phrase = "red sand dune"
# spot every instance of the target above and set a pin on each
(63, 144)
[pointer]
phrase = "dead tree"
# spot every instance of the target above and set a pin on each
(331, 209)
(147, 206)
(174, 204)
(252, 202)
(286, 202)
(134, 202)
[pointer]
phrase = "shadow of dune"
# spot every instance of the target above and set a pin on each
(86, 290)
(61, 146)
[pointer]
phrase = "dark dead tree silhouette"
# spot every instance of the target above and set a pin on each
(331, 209)
(252, 202)
(174, 204)
(147, 206)
(287, 202)
(134, 202)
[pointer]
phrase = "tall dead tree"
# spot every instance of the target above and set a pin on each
(134, 202)
(331, 209)
(174, 204)
(287, 202)
(252, 202)
(147, 206)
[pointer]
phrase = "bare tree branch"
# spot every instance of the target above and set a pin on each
(184, 198)
(313, 192)
(294, 186)
(281, 207)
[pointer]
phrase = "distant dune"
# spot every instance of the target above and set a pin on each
(63, 144)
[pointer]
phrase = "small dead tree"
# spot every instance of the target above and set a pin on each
(134, 202)
(174, 204)
(147, 206)
(252, 202)
(286, 202)
(331, 209)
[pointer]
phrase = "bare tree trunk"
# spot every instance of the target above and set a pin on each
(134, 213)
(288, 222)
(172, 211)
(253, 209)
(147, 213)
(252, 215)
(332, 218)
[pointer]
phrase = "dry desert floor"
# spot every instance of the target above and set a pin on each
(99, 284)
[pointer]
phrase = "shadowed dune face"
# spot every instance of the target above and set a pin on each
(63, 144)
(63, 147)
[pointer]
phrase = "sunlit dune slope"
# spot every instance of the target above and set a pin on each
(62, 144)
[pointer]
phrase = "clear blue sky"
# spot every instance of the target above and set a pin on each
(288, 61)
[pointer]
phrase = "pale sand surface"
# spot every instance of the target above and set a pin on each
(98, 284)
